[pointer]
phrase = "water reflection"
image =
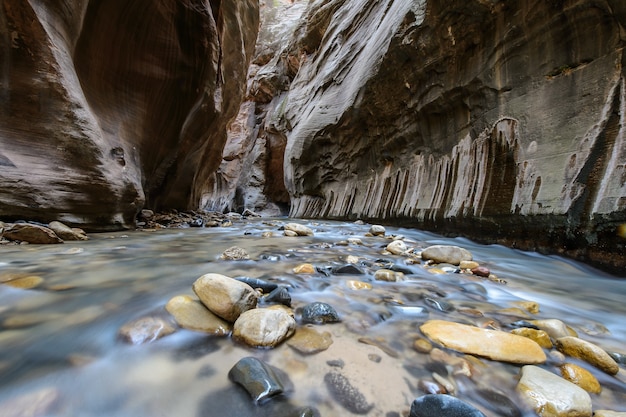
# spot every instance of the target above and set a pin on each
(61, 339)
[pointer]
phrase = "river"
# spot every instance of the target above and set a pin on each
(60, 352)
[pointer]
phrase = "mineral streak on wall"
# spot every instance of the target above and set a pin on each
(499, 120)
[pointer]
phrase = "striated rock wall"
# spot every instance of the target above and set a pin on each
(110, 106)
(500, 120)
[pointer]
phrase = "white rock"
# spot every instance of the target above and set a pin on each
(377, 230)
(264, 327)
(397, 247)
(552, 396)
(299, 229)
(446, 254)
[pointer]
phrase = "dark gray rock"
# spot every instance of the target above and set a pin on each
(279, 295)
(261, 380)
(442, 405)
(346, 394)
(348, 269)
(319, 313)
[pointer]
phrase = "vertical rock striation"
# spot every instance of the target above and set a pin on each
(499, 120)
(107, 106)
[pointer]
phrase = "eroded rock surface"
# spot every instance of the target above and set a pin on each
(109, 106)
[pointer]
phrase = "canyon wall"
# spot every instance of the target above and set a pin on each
(499, 120)
(107, 107)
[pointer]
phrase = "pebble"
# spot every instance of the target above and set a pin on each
(539, 336)
(298, 229)
(307, 340)
(492, 344)
(581, 377)
(552, 396)
(22, 281)
(397, 247)
(554, 327)
(422, 345)
(442, 405)
(446, 254)
(225, 296)
(264, 327)
(377, 230)
(388, 275)
(588, 352)
(319, 313)
(235, 253)
(468, 265)
(261, 380)
(145, 330)
(346, 394)
(481, 271)
(191, 314)
(304, 269)
(358, 285)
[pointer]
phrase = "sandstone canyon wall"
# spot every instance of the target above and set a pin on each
(499, 120)
(109, 106)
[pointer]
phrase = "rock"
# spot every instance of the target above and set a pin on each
(264, 327)
(261, 380)
(608, 413)
(554, 327)
(290, 233)
(146, 214)
(440, 305)
(358, 285)
(347, 269)
(581, 377)
(278, 296)
(224, 296)
(304, 269)
(388, 275)
(307, 340)
(235, 253)
(492, 344)
(145, 330)
(346, 394)
(531, 306)
(31, 233)
(499, 403)
(481, 271)
(377, 230)
(255, 283)
(588, 352)
(468, 265)
(22, 281)
(191, 314)
(66, 232)
(319, 313)
(552, 396)
(538, 336)
(397, 247)
(442, 405)
(446, 254)
(299, 229)
(422, 345)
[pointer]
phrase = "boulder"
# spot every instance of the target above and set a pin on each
(225, 296)
(445, 254)
(264, 327)
(31, 233)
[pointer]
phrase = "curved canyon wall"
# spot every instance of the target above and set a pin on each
(107, 107)
(499, 120)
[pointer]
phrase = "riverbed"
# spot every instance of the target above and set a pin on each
(61, 353)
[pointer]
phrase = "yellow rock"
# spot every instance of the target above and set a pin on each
(191, 314)
(304, 269)
(307, 340)
(493, 344)
(422, 345)
(530, 306)
(581, 377)
(358, 285)
(468, 264)
(538, 336)
(22, 281)
(588, 352)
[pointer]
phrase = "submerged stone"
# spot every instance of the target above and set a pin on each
(145, 330)
(235, 253)
(347, 395)
(319, 313)
(307, 340)
(442, 405)
(261, 380)
(191, 314)
(446, 254)
(225, 296)
(588, 352)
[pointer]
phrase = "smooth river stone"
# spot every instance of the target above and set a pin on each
(581, 377)
(225, 296)
(554, 327)
(442, 254)
(308, 340)
(397, 247)
(299, 229)
(191, 314)
(552, 396)
(492, 344)
(588, 352)
(264, 327)
(261, 380)
(538, 336)
(442, 405)
(145, 330)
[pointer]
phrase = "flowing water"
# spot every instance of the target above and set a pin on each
(60, 353)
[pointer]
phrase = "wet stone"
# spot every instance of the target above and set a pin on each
(581, 377)
(22, 281)
(261, 380)
(348, 396)
(348, 269)
(191, 314)
(307, 340)
(67, 233)
(538, 336)
(31, 233)
(278, 296)
(588, 352)
(377, 230)
(298, 229)
(446, 254)
(235, 253)
(304, 269)
(468, 264)
(440, 305)
(442, 405)
(145, 330)
(224, 296)
(265, 286)
(264, 327)
(481, 271)
(554, 327)
(358, 285)
(397, 247)
(319, 313)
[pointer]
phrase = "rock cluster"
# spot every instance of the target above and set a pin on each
(54, 232)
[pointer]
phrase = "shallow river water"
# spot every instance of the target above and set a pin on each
(61, 355)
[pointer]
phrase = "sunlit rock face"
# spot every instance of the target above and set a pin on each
(110, 106)
(494, 119)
